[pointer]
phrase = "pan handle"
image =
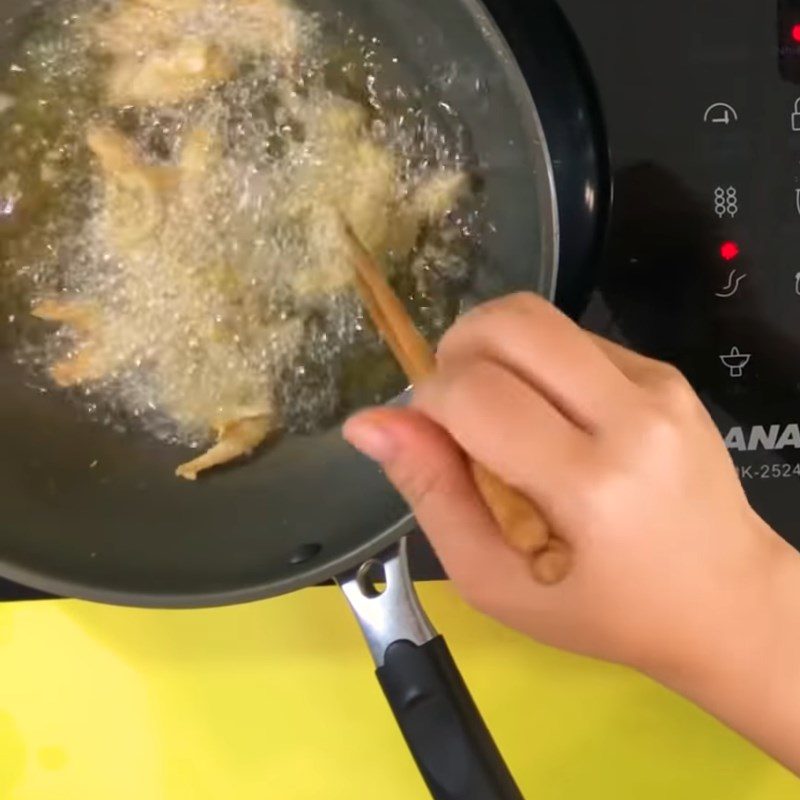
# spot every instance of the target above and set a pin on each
(442, 726)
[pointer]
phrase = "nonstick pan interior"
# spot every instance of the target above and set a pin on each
(94, 513)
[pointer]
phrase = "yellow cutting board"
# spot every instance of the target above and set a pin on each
(277, 701)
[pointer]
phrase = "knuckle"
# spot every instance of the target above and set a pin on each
(658, 430)
(467, 330)
(510, 303)
(472, 395)
(453, 338)
(594, 501)
(512, 307)
(615, 477)
(671, 390)
(521, 302)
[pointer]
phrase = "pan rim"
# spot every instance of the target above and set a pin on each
(62, 588)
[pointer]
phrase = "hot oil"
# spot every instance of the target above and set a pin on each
(204, 319)
(51, 88)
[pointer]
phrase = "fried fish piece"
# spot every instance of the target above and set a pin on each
(198, 162)
(85, 363)
(341, 172)
(135, 190)
(82, 366)
(118, 155)
(438, 195)
(262, 26)
(80, 315)
(138, 27)
(344, 172)
(200, 152)
(154, 61)
(328, 270)
(173, 6)
(178, 72)
(235, 438)
(428, 204)
(120, 158)
(133, 28)
(343, 168)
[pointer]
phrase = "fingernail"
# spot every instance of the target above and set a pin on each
(372, 439)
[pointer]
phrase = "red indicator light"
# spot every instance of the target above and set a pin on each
(729, 250)
(796, 33)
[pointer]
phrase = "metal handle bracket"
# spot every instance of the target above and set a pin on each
(390, 614)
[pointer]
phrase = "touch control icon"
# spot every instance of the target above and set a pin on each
(735, 279)
(735, 362)
(720, 114)
(726, 201)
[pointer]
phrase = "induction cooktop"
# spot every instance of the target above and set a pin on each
(674, 134)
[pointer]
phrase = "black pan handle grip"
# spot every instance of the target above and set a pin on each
(442, 726)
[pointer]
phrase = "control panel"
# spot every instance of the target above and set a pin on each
(702, 259)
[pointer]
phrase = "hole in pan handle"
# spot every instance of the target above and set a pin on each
(440, 722)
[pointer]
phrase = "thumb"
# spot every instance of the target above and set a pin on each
(429, 470)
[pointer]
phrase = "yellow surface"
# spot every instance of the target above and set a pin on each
(276, 701)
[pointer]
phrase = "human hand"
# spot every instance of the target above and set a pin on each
(623, 461)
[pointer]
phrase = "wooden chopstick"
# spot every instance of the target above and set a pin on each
(521, 525)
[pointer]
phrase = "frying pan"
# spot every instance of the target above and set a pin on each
(92, 513)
